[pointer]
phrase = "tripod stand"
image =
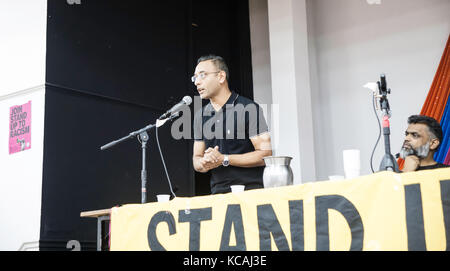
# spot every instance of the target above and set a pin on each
(142, 136)
(388, 163)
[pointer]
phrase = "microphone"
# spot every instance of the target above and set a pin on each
(383, 83)
(187, 100)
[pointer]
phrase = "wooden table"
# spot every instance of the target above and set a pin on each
(102, 216)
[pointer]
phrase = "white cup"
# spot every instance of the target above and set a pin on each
(352, 163)
(336, 177)
(163, 197)
(350, 174)
(237, 188)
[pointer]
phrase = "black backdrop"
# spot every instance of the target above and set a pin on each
(113, 67)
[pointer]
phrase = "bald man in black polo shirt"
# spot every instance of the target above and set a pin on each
(230, 132)
(423, 138)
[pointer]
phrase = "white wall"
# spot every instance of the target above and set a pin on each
(281, 77)
(260, 46)
(21, 174)
(23, 26)
(351, 43)
(354, 42)
(259, 36)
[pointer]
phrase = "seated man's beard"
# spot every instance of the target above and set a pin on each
(420, 152)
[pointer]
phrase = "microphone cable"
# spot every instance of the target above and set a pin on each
(164, 164)
(379, 134)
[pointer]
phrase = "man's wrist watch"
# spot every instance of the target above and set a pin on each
(226, 161)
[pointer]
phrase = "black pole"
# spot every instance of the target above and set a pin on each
(388, 163)
(144, 138)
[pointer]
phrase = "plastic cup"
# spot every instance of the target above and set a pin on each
(336, 177)
(237, 188)
(350, 174)
(163, 197)
(352, 163)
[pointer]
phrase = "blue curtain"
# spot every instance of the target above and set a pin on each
(440, 155)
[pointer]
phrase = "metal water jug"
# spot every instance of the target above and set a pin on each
(278, 171)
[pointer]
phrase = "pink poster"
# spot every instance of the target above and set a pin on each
(20, 128)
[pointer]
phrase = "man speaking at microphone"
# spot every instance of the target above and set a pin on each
(230, 132)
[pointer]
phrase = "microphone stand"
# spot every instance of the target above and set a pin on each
(388, 163)
(143, 139)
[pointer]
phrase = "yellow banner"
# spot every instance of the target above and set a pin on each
(383, 211)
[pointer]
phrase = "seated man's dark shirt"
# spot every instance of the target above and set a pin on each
(438, 165)
(231, 128)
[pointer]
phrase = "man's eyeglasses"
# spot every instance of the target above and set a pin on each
(201, 76)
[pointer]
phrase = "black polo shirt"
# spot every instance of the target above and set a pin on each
(231, 128)
(438, 165)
